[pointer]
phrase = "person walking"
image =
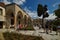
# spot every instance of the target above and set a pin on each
(47, 29)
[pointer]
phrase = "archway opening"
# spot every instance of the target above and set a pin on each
(25, 19)
(12, 19)
(19, 19)
(1, 24)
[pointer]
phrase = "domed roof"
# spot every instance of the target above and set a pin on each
(2, 4)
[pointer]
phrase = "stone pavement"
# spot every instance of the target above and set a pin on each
(50, 36)
(40, 32)
(37, 32)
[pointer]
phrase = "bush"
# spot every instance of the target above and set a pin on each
(54, 28)
(27, 28)
(15, 36)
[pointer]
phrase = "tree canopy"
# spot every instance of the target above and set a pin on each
(41, 10)
(57, 12)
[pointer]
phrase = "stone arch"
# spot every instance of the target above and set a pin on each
(20, 13)
(25, 19)
(19, 17)
(29, 21)
(10, 19)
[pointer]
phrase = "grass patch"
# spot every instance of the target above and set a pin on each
(27, 28)
(16, 36)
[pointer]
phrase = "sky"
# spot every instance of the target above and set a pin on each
(30, 6)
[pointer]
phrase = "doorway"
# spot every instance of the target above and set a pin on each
(1, 24)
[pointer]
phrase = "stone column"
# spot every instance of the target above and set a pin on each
(15, 21)
(4, 25)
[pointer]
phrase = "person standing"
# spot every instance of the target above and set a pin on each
(47, 28)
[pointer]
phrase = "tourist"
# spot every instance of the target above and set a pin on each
(46, 27)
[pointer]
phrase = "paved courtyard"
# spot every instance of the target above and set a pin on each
(40, 32)
(36, 32)
(50, 36)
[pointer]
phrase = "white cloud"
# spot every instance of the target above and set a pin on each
(19, 1)
(40, 17)
(15, 1)
(33, 14)
(51, 17)
(56, 4)
(6, 2)
(48, 11)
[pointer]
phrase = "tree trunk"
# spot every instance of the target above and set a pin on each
(43, 24)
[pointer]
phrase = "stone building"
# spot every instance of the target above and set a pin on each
(2, 15)
(37, 21)
(13, 15)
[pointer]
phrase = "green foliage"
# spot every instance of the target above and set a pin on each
(46, 15)
(56, 22)
(27, 28)
(57, 13)
(59, 6)
(54, 27)
(41, 10)
(16, 36)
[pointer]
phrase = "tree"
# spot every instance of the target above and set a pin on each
(45, 14)
(41, 10)
(57, 12)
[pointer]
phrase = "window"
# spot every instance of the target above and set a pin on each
(20, 13)
(19, 19)
(0, 11)
(12, 21)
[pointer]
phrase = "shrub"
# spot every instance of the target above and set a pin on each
(16, 36)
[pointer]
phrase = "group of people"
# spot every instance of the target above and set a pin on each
(19, 26)
(50, 28)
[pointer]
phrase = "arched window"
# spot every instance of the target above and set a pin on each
(12, 18)
(25, 19)
(0, 11)
(20, 13)
(19, 19)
